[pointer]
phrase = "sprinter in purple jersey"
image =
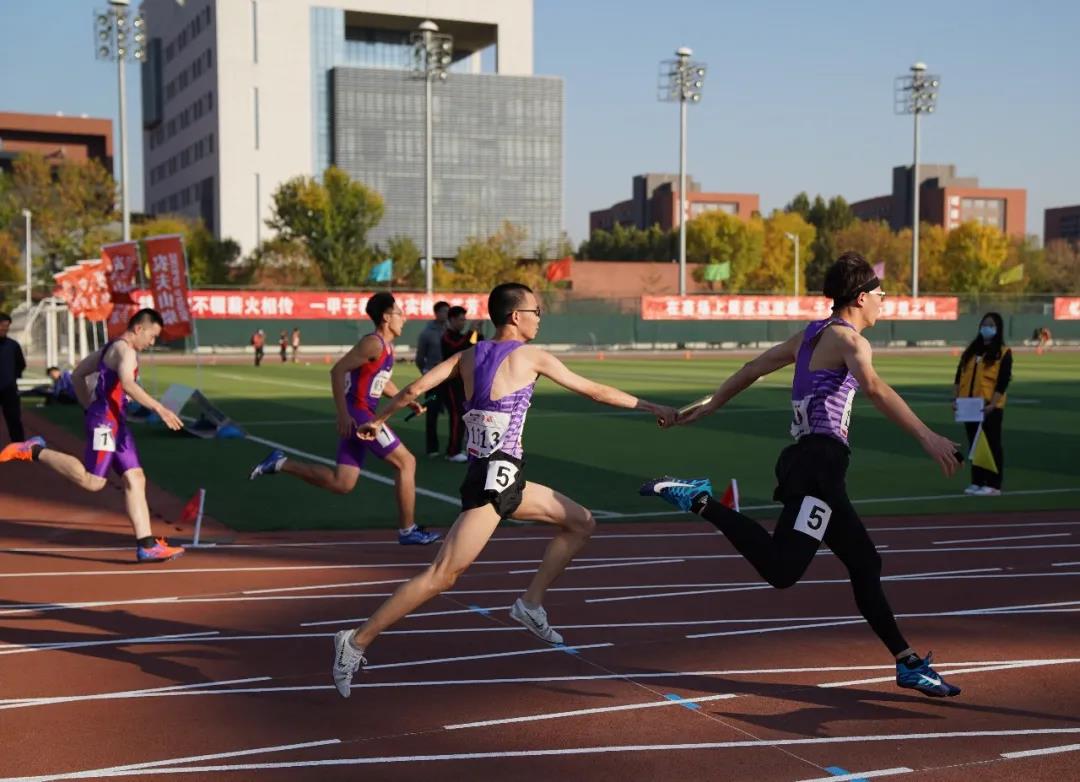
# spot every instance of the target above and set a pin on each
(109, 443)
(498, 376)
(358, 380)
(832, 361)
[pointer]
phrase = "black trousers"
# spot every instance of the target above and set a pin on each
(258, 356)
(810, 476)
(992, 423)
(9, 400)
(452, 395)
(431, 423)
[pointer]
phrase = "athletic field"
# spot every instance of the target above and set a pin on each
(599, 455)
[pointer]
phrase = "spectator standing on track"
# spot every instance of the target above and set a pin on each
(832, 361)
(283, 346)
(455, 339)
(428, 356)
(295, 343)
(12, 364)
(984, 371)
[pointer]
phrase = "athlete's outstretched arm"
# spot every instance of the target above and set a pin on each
(129, 362)
(776, 357)
(858, 357)
(553, 369)
(408, 395)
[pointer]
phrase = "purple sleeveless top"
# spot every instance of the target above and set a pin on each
(366, 382)
(489, 357)
(821, 400)
(110, 401)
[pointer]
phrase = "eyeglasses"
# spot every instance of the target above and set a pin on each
(880, 294)
(535, 312)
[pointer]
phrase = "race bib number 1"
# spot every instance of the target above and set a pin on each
(104, 440)
(500, 476)
(385, 436)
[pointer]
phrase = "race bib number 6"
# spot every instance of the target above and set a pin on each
(378, 383)
(104, 440)
(500, 476)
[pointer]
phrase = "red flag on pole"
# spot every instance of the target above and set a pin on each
(190, 513)
(122, 267)
(168, 281)
(559, 270)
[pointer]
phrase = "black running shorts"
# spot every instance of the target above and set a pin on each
(498, 479)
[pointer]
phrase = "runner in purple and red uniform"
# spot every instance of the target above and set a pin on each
(109, 442)
(358, 380)
(498, 378)
(832, 361)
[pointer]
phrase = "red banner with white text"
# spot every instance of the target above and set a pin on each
(1067, 308)
(122, 265)
(168, 282)
(314, 305)
(85, 288)
(788, 308)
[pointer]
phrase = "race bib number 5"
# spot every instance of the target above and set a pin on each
(486, 430)
(813, 518)
(104, 440)
(500, 476)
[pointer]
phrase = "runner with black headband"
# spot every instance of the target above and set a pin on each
(832, 361)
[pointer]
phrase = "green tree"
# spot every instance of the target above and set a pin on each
(974, 256)
(332, 219)
(211, 261)
(717, 237)
(408, 269)
(1059, 270)
(827, 217)
(776, 272)
(278, 263)
(481, 264)
(876, 242)
(624, 243)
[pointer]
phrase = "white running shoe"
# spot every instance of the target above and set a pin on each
(347, 661)
(988, 491)
(535, 619)
(973, 489)
(459, 458)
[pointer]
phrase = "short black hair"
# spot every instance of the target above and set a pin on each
(5, 318)
(440, 305)
(378, 305)
(52, 369)
(847, 277)
(455, 311)
(504, 299)
(143, 315)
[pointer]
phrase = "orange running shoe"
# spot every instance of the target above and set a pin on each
(161, 551)
(21, 452)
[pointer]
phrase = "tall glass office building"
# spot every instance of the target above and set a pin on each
(293, 86)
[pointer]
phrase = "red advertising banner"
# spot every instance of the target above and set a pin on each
(1066, 308)
(122, 262)
(313, 305)
(85, 289)
(168, 282)
(787, 308)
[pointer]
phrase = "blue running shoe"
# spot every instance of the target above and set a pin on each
(270, 465)
(924, 679)
(417, 536)
(678, 491)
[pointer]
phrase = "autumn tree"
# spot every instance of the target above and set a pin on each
(717, 237)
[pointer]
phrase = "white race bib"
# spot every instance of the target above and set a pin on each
(500, 476)
(845, 419)
(486, 430)
(104, 440)
(378, 383)
(800, 417)
(385, 436)
(813, 518)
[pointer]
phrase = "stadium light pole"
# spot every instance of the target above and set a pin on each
(120, 37)
(795, 238)
(27, 214)
(915, 93)
(681, 80)
(432, 55)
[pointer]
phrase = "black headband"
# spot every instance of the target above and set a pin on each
(866, 287)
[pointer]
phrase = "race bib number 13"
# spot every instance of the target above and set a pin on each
(104, 440)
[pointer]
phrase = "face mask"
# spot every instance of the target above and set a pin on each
(988, 332)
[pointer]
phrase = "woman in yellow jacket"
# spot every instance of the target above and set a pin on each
(985, 371)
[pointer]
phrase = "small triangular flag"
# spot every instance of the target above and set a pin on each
(981, 455)
(731, 496)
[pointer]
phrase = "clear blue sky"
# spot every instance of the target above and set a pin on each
(798, 94)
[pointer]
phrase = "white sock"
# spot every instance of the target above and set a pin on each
(403, 532)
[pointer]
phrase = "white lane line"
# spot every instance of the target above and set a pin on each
(1008, 537)
(857, 775)
(1028, 753)
(565, 649)
(946, 669)
(148, 639)
(16, 703)
(359, 619)
(1065, 564)
(321, 586)
(455, 501)
(572, 751)
(615, 564)
(825, 581)
(582, 712)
